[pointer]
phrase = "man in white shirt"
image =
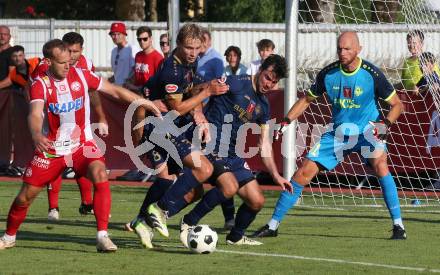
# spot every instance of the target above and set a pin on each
(122, 58)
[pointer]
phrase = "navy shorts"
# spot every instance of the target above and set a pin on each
(236, 165)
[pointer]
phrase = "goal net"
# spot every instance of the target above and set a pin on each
(414, 142)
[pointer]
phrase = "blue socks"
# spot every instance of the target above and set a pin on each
(389, 192)
(228, 209)
(285, 202)
(209, 201)
(245, 216)
(184, 184)
(155, 192)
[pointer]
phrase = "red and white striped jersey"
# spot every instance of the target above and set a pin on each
(67, 108)
(83, 63)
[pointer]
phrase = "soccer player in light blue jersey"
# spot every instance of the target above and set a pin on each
(354, 87)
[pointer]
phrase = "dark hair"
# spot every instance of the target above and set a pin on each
(52, 44)
(265, 43)
(143, 29)
(72, 38)
(163, 35)
(189, 30)
(17, 48)
(415, 33)
(206, 32)
(278, 63)
(427, 57)
(233, 49)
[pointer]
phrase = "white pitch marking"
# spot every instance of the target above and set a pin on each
(420, 269)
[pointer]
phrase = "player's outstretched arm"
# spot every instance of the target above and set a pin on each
(127, 96)
(35, 121)
(295, 111)
(266, 153)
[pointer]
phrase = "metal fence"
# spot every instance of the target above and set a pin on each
(384, 44)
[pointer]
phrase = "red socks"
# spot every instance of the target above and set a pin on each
(16, 216)
(53, 191)
(102, 201)
(85, 188)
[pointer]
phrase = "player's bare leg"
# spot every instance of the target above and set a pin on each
(17, 213)
(253, 202)
(101, 204)
(380, 166)
(302, 177)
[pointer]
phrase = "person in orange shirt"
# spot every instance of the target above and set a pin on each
(21, 69)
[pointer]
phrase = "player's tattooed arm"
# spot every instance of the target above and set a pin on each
(129, 97)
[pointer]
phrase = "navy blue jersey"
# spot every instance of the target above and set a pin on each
(174, 79)
(241, 103)
(354, 95)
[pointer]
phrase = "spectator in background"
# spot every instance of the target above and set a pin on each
(210, 64)
(122, 57)
(411, 72)
(5, 56)
(430, 80)
(5, 62)
(164, 45)
(265, 48)
(233, 57)
(147, 63)
(21, 70)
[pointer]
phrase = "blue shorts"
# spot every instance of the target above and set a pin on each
(332, 149)
(235, 165)
(159, 155)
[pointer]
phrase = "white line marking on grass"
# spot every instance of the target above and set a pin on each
(420, 269)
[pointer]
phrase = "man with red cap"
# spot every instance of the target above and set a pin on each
(122, 58)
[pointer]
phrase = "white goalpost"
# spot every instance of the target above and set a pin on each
(414, 141)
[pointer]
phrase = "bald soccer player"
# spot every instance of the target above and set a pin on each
(353, 87)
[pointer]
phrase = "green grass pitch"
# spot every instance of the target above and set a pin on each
(311, 241)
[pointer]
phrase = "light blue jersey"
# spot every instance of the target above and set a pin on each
(354, 95)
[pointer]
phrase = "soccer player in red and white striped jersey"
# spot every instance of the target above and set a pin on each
(67, 140)
(75, 43)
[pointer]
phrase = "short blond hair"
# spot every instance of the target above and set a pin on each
(189, 31)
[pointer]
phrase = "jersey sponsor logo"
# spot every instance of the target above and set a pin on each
(40, 163)
(75, 86)
(58, 108)
(347, 92)
(358, 91)
(336, 88)
(171, 88)
(345, 103)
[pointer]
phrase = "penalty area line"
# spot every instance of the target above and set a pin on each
(339, 261)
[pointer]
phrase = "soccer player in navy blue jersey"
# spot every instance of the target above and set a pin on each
(354, 87)
(176, 85)
(244, 106)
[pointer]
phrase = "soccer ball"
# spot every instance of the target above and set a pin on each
(202, 239)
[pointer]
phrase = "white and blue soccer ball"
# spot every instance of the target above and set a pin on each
(202, 239)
